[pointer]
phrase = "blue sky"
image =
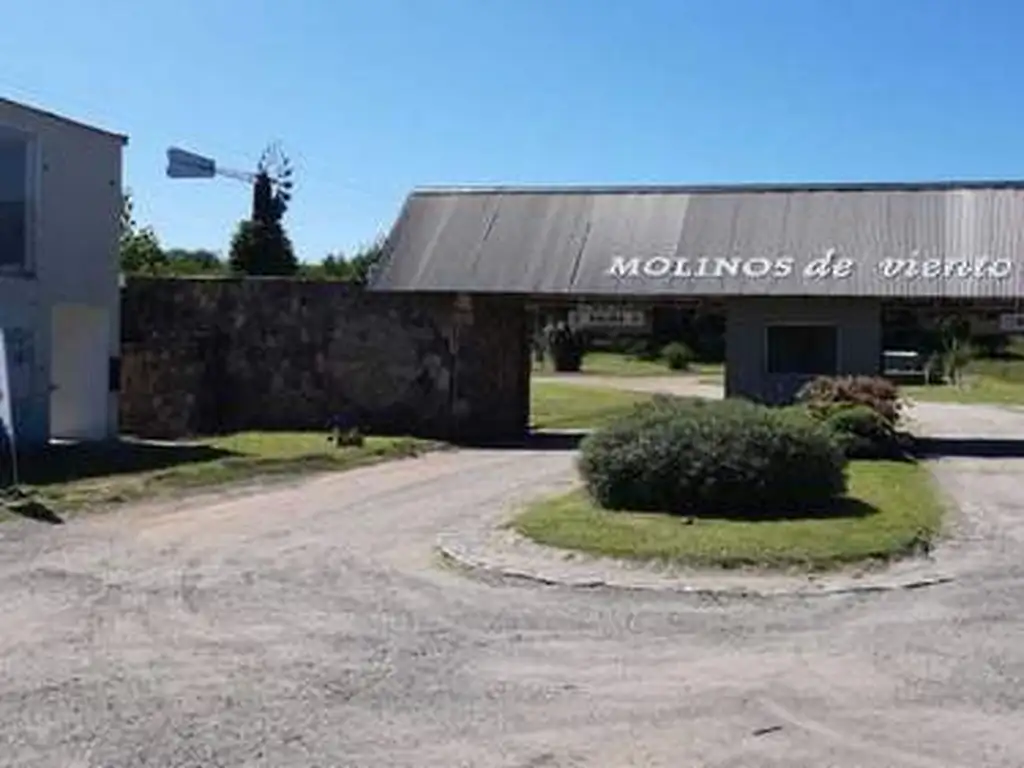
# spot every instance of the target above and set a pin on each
(375, 97)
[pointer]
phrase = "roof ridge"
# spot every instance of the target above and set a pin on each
(750, 187)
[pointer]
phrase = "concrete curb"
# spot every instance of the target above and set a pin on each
(506, 555)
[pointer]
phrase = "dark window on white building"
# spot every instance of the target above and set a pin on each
(802, 349)
(15, 191)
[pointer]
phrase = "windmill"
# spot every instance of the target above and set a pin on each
(271, 181)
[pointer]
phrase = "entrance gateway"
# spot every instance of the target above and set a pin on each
(805, 274)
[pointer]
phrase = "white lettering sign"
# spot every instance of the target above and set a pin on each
(599, 316)
(829, 266)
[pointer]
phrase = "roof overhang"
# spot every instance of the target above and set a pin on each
(924, 239)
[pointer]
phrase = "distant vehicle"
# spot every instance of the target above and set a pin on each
(903, 364)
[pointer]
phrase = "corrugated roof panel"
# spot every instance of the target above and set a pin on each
(900, 241)
(529, 234)
(640, 227)
(758, 231)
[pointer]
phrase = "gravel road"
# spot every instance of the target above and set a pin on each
(308, 625)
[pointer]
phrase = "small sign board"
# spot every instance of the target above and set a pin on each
(607, 316)
(1011, 322)
(7, 408)
(464, 309)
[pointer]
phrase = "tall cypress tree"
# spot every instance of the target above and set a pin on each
(260, 245)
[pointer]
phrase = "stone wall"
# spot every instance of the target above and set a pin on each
(202, 356)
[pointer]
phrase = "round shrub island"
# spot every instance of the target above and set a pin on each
(705, 458)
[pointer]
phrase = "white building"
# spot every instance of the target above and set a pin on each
(60, 206)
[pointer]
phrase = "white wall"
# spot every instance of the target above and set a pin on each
(75, 253)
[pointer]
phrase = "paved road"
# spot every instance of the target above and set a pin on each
(309, 626)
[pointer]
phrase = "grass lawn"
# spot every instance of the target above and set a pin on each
(63, 478)
(890, 507)
(977, 389)
(616, 364)
(554, 405)
(997, 381)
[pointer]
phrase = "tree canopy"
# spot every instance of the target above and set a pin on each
(143, 254)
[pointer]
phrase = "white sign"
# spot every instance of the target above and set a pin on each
(1011, 323)
(590, 316)
(6, 411)
(7, 407)
(831, 266)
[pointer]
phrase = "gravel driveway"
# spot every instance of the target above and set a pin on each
(308, 625)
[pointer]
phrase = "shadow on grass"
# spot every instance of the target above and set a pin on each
(969, 448)
(62, 463)
(845, 508)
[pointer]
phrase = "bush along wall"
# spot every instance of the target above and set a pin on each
(864, 413)
(714, 458)
(566, 347)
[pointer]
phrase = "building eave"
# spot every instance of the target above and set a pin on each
(123, 138)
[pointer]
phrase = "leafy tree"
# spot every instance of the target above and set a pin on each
(331, 267)
(361, 265)
(957, 350)
(262, 248)
(140, 248)
(194, 262)
(356, 269)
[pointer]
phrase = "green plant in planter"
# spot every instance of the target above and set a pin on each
(565, 347)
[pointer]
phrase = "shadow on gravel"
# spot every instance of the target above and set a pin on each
(541, 440)
(33, 510)
(969, 448)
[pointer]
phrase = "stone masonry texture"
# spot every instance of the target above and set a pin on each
(206, 356)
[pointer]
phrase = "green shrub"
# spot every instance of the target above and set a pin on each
(347, 438)
(677, 356)
(995, 345)
(643, 349)
(875, 392)
(933, 368)
(565, 346)
(862, 432)
(713, 458)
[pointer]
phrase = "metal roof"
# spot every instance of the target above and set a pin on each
(61, 119)
(955, 239)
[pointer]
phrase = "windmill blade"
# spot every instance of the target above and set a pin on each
(182, 164)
